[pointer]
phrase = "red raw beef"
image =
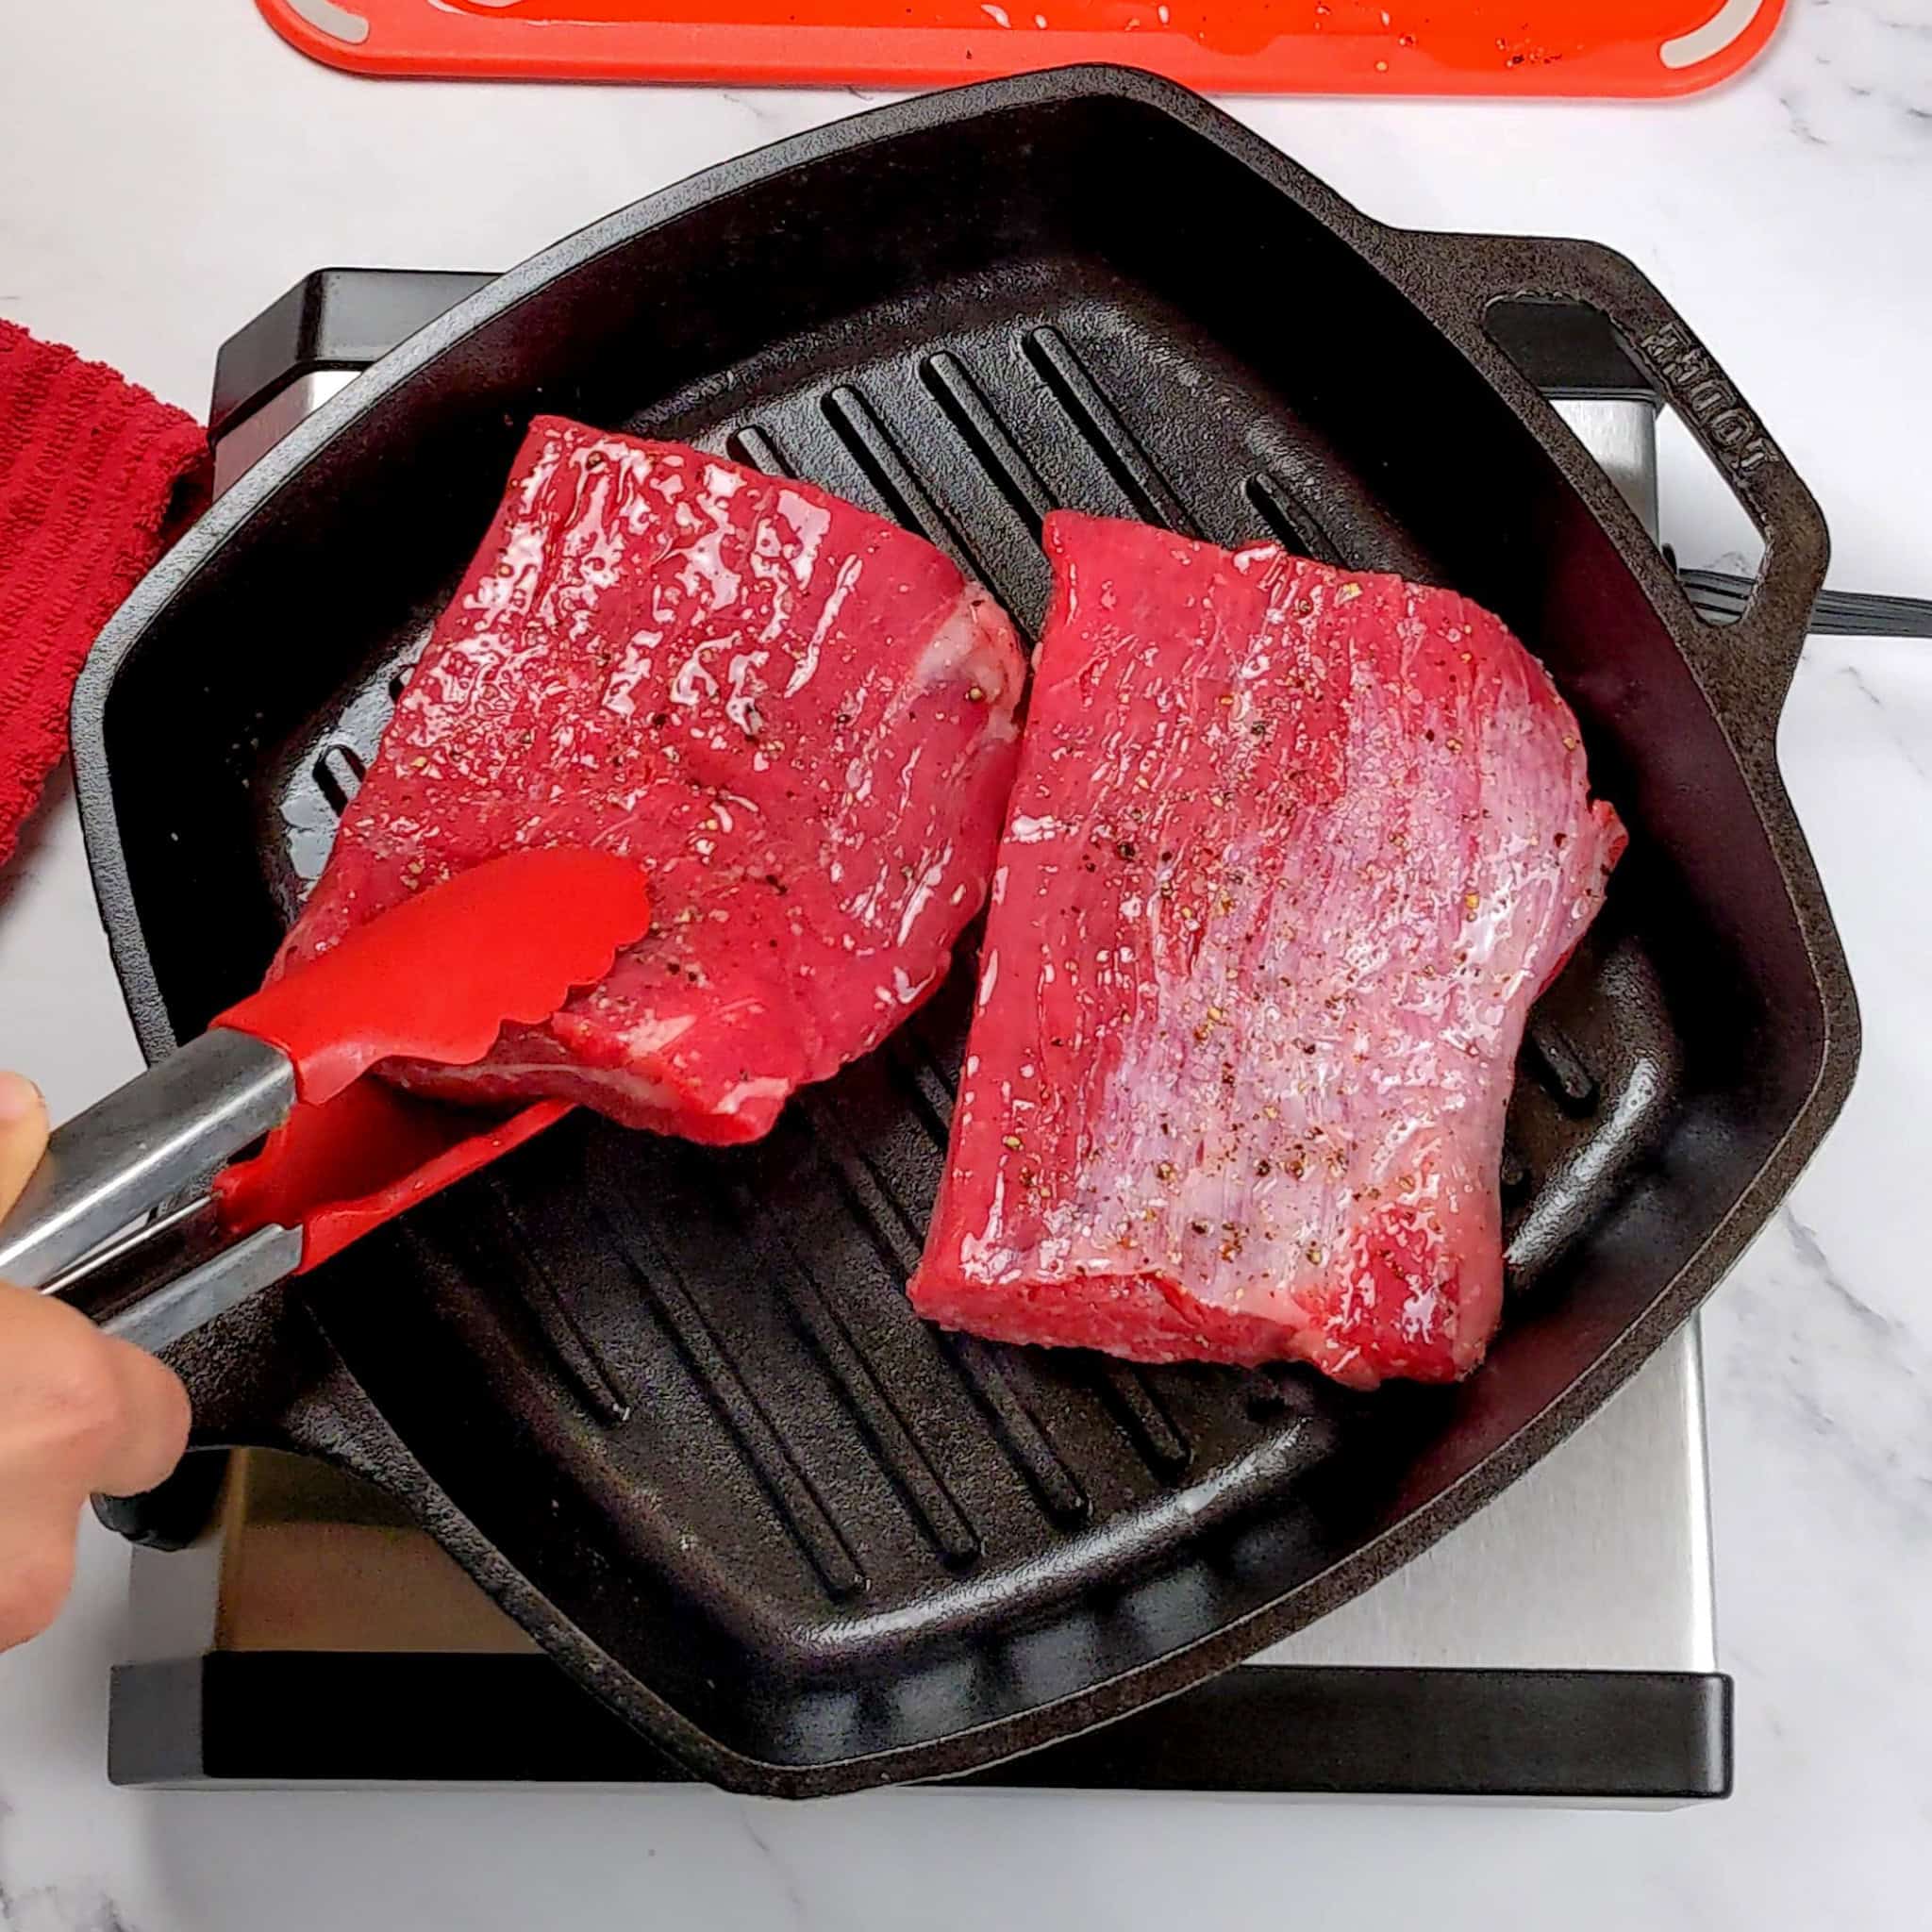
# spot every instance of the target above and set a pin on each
(1290, 853)
(796, 716)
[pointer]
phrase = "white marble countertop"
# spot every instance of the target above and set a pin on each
(172, 169)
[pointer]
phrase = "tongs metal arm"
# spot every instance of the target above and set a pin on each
(163, 1281)
(154, 1143)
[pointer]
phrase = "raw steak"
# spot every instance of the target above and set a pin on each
(1290, 853)
(797, 717)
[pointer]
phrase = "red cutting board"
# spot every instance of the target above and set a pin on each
(1500, 47)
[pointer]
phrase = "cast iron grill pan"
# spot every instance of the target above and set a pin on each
(669, 1403)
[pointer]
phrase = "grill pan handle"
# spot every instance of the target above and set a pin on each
(1746, 665)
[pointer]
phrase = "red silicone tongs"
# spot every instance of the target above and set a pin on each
(435, 979)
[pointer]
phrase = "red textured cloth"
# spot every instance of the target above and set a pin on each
(96, 476)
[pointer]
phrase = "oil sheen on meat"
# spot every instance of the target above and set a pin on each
(794, 715)
(1290, 853)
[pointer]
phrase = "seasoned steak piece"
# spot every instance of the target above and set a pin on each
(1290, 853)
(796, 716)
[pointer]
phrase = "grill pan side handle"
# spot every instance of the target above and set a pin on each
(263, 1374)
(1748, 665)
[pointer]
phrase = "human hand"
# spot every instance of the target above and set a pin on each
(79, 1412)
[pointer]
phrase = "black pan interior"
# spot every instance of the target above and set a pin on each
(680, 1390)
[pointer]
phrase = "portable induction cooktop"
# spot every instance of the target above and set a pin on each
(289, 1627)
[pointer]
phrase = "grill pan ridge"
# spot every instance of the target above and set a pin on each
(669, 1405)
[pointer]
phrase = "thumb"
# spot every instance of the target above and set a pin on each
(22, 1135)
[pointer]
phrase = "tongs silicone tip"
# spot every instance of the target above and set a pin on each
(435, 979)
(439, 977)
